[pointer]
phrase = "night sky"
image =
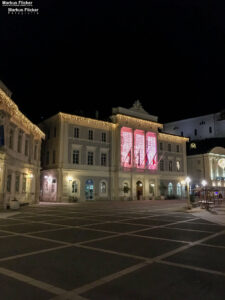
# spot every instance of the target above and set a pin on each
(169, 54)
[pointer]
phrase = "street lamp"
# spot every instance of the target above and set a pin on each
(188, 180)
(204, 183)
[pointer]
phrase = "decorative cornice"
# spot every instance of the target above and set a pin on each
(10, 107)
(135, 122)
(172, 138)
(78, 120)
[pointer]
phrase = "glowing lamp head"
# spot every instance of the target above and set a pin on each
(204, 183)
(69, 178)
(188, 180)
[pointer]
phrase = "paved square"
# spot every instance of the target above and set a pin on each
(70, 267)
(157, 282)
(111, 250)
(138, 246)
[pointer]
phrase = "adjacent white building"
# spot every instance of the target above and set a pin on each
(20, 145)
(129, 157)
(198, 128)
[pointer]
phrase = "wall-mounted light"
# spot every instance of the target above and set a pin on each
(69, 178)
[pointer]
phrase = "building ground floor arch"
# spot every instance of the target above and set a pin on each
(75, 186)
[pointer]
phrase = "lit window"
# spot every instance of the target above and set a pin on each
(74, 187)
(178, 189)
(103, 187)
(178, 165)
(24, 185)
(170, 189)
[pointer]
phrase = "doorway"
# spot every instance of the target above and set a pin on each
(139, 190)
(89, 189)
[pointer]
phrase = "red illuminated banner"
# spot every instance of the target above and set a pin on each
(126, 135)
(151, 151)
(139, 148)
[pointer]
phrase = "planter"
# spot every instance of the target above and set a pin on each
(14, 204)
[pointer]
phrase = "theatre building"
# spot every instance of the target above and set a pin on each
(127, 158)
(20, 145)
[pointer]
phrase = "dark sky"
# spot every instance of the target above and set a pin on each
(168, 54)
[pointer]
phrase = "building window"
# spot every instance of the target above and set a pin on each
(103, 187)
(170, 189)
(76, 156)
(125, 188)
(8, 183)
(169, 147)
(35, 151)
(74, 187)
(182, 133)
(103, 137)
(26, 148)
(11, 138)
(90, 134)
(160, 146)
(178, 148)
(53, 156)
(161, 165)
(19, 144)
(90, 158)
(24, 185)
(103, 159)
(54, 132)
(47, 157)
(170, 166)
(17, 183)
(179, 189)
(76, 132)
(196, 132)
(210, 129)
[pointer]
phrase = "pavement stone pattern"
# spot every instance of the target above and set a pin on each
(111, 251)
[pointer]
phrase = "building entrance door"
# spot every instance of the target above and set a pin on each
(139, 190)
(89, 189)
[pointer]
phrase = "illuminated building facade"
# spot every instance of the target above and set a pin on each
(20, 145)
(206, 162)
(127, 158)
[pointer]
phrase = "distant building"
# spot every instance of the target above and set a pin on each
(198, 128)
(20, 144)
(207, 162)
(128, 158)
(206, 149)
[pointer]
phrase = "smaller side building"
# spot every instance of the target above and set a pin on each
(205, 161)
(20, 146)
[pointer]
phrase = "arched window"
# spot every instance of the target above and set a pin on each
(170, 189)
(74, 187)
(178, 189)
(103, 187)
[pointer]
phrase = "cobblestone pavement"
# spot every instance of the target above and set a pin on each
(111, 250)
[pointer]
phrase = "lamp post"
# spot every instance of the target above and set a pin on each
(188, 180)
(204, 183)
